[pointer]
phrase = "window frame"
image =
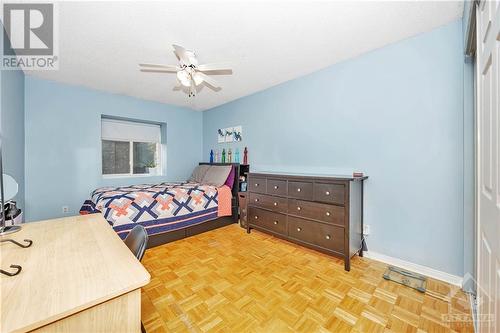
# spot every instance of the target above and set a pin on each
(131, 173)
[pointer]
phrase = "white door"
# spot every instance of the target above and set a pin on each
(488, 174)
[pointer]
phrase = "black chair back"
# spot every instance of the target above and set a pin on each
(137, 241)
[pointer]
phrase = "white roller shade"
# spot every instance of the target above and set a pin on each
(121, 130)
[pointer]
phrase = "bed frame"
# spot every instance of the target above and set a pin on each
(170, 236)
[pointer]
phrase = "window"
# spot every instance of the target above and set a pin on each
(130, 148)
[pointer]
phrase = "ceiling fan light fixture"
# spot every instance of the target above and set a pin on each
(183, 75)
(197, 79)
(184, 78)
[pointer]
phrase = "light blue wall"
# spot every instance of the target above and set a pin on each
(469, 229)
(396, 114)
(12, 128)
(63, 143)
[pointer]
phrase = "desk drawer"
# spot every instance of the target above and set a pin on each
(269, 202)
(300, 190)
(315, 233)
(330, 193)
(276, 187)
(317, 211)
(257, 185)
(268, 220)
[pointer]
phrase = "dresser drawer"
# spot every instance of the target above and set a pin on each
(317, 211)
(315, 233)
(257, 185)
(331, 193)
(269, 202)
(268, 220)
(300, 190)
(276, 187)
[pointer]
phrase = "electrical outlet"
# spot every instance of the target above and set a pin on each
(65, 209)
(366, 229)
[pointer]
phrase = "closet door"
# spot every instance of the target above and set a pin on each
(488, 180)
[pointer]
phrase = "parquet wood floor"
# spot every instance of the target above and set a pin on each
(228, 281)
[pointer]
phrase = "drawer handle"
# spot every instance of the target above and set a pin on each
(276, 204)
(327, 213)
(299, 229)
(327, 193)
(256, 184)
(275, 222)
(328, 237)
(256, 200)
(276, 187)
(298, 190)
(256, 217)
(298, 208)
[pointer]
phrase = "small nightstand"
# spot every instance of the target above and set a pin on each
(242, 194)
(242, 197)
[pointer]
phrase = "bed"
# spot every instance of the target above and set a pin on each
(170, 210)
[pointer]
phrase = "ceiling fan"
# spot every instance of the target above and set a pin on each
(189, 72)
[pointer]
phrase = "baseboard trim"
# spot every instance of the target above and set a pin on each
(420, 269)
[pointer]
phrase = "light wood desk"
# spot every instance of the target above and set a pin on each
(78, 276)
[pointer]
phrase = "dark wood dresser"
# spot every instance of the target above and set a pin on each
(321, 212)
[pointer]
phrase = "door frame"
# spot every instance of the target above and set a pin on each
(478, 72)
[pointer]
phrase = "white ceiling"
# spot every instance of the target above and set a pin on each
(265, 43)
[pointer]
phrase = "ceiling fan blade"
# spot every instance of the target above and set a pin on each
(214, 67)
(159, 70)
(182, 54)
(200, 77)
(166, 67)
